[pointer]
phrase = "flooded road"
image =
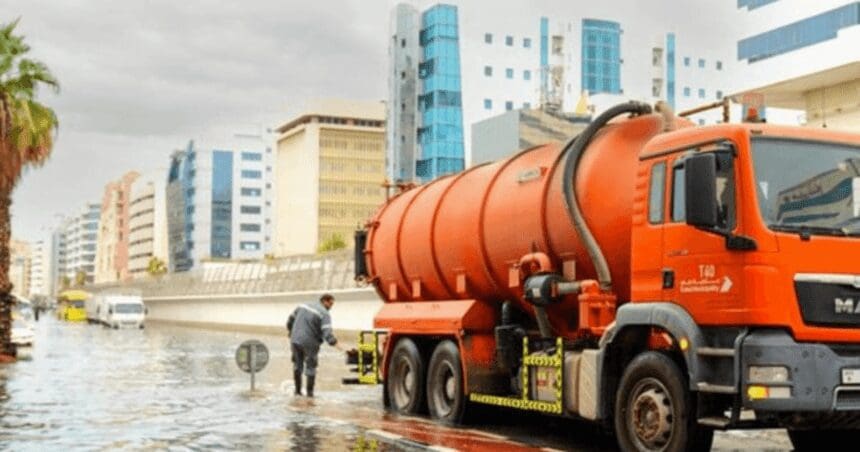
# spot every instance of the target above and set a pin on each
(166, 387)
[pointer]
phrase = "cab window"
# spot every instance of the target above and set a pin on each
(725, 189)
(656, 193)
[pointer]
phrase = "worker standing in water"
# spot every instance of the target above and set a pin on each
(308, 326)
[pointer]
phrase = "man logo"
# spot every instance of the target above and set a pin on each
(846, 306)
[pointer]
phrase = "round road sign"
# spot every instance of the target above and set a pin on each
(252, 349)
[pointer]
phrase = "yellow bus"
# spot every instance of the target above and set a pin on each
(70, 305)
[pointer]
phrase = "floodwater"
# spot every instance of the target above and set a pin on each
(86, 387)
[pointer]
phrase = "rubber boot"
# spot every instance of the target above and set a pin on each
(311, 382)
(297, 377)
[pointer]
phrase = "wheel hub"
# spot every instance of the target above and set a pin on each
(450, 387)
(651, 416)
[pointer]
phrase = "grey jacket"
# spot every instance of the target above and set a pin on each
(309, 325)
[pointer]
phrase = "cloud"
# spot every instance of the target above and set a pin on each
(140, 78)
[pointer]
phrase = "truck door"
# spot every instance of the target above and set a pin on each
(699, 272)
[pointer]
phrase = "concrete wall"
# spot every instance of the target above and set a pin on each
(256, 296)
(353, 310)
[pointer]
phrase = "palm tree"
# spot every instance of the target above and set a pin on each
(26, 137)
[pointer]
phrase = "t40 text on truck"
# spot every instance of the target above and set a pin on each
(659, 278)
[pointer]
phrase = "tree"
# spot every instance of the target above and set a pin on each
(333, 242)
(80, 278)
(156, 267)
(26, 137)
(65, 282)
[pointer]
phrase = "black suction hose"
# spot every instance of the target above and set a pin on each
(575, 148)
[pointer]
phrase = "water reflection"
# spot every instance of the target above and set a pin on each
(89, 387)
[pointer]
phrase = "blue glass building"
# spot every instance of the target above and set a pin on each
(601, 56)
(440, 132)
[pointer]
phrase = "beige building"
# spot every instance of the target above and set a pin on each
(20, 260)
(112, 246)
(329, 174)
(147, 223)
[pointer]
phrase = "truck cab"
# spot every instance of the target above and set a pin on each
(750, 231)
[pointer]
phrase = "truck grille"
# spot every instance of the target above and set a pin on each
(828, 300)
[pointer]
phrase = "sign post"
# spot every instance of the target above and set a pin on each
(252, 356)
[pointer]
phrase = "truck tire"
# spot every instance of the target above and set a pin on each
(654, 411)
(405, 381)
(804, 440)
(446, 399)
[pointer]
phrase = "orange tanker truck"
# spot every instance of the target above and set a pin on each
(660, 278)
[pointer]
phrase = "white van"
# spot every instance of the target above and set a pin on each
(121, 311)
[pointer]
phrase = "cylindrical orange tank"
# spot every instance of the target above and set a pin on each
(461, 236)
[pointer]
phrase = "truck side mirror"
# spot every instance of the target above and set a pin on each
(700, 182)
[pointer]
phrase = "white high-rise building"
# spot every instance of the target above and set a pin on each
(147, 223)
(40, 271)
(219, 201)
(800, 55)
(474, 64)
(76, 244)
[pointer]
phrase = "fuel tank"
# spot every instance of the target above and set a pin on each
(461, 236)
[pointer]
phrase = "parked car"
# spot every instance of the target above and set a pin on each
(22, 333)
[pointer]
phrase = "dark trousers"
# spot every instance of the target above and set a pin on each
(304, 359)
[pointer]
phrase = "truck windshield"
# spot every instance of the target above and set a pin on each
(808, 187)
(128, 308)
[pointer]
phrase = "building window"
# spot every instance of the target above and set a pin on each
(488, 38)
(527, 105)
(601, 56)
(800, 34)
(249, 246)
(252, 156)
(251, 191)
(509, 105)
(488, 104)
(719, 65)
(252, 174)
(509, 41)
(509, 73)
(222, 204)
(701, 93)
(527, 74)
(250, 209)
(719, 95)
(488, 71)
(701, 63)
(686, 91)
(250, 227)
(753, 4)
(527, 43)
(687, 61)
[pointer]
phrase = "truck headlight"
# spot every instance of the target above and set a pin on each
(768, 374)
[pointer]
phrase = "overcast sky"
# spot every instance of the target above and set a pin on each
(140, 78)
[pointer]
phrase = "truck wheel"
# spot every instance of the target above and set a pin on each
(654, 411)
(804, 440)
(406, 378)
(445, 397)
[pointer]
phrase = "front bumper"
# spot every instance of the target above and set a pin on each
(814, 374)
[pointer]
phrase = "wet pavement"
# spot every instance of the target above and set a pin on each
(86, 387)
